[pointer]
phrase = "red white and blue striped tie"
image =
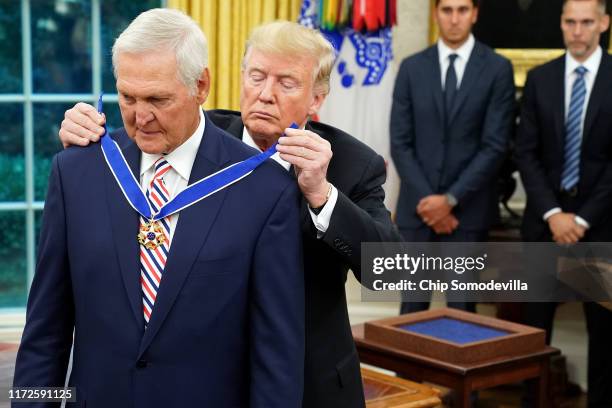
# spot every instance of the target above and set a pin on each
(153, 261)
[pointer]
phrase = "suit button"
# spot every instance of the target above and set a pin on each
(142, 363)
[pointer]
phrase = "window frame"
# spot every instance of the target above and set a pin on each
(28, 98)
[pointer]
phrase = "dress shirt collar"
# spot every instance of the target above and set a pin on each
(463, 52)
(181, 159)
(248, 140)
(591, 64)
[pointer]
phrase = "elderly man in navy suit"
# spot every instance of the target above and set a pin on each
(450, 125)
(197, 301)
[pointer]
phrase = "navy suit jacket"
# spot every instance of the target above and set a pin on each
(227, 329)
(540, 151)
(463, 159)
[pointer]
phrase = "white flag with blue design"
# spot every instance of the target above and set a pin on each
(361, 91)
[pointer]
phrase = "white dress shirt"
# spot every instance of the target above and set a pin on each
(181, 160)
(463, 56)
(321, 220)
(592, 66)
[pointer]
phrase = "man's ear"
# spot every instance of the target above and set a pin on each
(605, 24)
(203, 86)
(317, 101)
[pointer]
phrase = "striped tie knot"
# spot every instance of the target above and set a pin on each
(581, 71)
(157, 193)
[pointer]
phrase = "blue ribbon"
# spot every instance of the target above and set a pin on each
(190, 195)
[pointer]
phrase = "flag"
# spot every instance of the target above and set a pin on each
(361, 90)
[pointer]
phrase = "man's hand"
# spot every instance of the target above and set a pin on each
(564, 228)
(310, 154)
(446, 225)
(433, 209)
(82, 124)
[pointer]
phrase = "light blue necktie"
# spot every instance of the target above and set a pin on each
(573, 130)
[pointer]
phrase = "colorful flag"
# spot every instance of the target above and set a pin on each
(361, 88)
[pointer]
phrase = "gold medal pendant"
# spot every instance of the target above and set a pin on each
(151, 234)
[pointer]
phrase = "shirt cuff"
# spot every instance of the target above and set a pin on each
(321, 220)
(582, 222)
(551, 212)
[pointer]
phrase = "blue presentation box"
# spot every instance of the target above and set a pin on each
(455, 336)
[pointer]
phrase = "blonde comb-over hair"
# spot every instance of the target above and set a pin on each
(293, 39)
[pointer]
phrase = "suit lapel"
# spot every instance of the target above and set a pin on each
(557, 89)
(124, 222)
(192, 230)
(472, 72)
(436, 79)
(601, 88)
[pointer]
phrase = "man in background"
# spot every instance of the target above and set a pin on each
(450, 125)
(564, 154)
(285, 79)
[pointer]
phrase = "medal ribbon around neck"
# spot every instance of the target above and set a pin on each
(190, 195)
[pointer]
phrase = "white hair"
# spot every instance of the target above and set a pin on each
(166, 29)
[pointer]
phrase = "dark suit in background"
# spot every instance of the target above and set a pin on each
(457, 152)
(227, 328)
(540, 158)
(332, 377)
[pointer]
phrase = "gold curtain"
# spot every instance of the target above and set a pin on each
(227, 24)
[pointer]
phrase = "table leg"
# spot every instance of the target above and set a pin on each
(463, 395)
(541, 385)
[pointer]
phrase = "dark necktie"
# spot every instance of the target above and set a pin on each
(450, 84)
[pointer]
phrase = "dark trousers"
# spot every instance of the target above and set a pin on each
(426, 234)
(599, 329)
(598, 321)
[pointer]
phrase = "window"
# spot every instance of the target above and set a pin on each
(53, 53)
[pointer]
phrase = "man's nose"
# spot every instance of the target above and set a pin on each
(143, 114)
(578, 30)
(455, 17)
(267, 91)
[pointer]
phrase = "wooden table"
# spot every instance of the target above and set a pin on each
(607, 305)
(385, 391)
(463, 378)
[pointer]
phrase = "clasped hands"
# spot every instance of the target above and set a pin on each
(565, 229)
(436, 212)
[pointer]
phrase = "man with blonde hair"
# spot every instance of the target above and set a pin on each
(285, 79)
(197, 302)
